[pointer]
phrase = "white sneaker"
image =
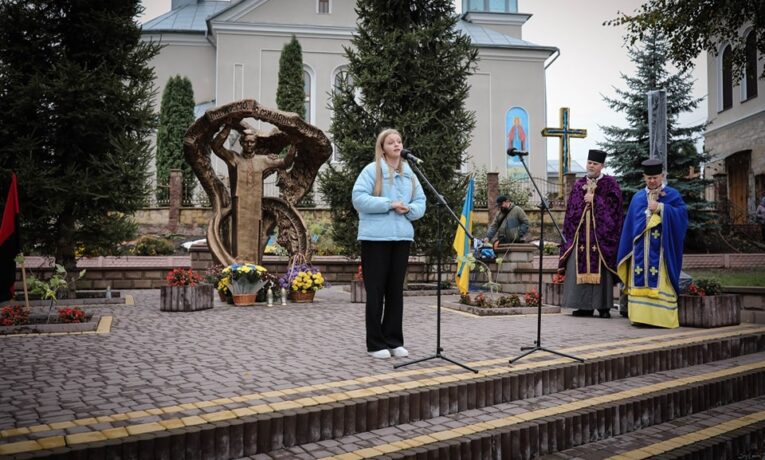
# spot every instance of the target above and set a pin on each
(380, 354)
(399, 352)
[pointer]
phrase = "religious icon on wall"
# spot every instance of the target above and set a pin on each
(516, 136)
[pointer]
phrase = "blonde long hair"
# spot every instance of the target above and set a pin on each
(379, 159)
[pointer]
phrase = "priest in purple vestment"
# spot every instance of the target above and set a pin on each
(592, 227)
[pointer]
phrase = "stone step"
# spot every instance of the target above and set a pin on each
(556, 423)
(733, 431)
(263, 422)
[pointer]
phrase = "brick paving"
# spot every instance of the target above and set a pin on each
(152, 358)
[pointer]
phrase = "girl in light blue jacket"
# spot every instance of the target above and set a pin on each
(388, 197)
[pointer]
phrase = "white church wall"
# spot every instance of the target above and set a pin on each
(189, 55)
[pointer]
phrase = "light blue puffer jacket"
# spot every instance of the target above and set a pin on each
(377, 221)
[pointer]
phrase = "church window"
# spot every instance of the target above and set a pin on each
(726, 79)
(341, 74)
(323, 7)
(750, 71)
(492, 6)
(307, 88)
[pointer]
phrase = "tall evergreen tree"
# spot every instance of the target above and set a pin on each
(290, 94)
(629, 146)
(76, 92)
(176, 114)
(407, 68)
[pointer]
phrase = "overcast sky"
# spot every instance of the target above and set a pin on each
(592, 57)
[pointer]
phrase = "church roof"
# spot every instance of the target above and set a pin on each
(192, 18)
(552, 167)
(483, 36)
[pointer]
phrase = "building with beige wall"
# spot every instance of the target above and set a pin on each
(230, 50)
(735, 134)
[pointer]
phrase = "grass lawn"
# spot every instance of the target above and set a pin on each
(731, 277)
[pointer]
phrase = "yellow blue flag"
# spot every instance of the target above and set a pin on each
(462, 242)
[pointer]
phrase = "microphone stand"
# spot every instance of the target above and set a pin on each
(441, 203)
(542, 208)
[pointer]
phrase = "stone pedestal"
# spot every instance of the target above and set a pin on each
(709, 311)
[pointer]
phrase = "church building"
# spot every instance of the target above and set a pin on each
(735, 133)
(230, 51)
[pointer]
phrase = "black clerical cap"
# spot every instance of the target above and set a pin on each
(598, 156)
(652, 167)
(501, 199)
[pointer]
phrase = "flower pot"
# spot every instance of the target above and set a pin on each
(358, 291)
(302, 297)
(709, 311)
(241, 300)
(186, 298)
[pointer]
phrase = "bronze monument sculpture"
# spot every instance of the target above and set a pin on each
(252, 216)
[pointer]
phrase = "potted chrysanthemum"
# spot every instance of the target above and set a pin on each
(246, 281)
(302, 280)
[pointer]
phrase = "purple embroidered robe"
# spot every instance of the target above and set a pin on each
(592, 232)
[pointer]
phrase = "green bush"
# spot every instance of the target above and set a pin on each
(320, 232)
(711, 286)
(152, 245)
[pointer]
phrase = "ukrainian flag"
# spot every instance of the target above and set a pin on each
(462, 242)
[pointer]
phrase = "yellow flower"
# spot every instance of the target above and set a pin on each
(260, 268)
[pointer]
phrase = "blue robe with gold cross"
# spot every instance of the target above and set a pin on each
(650, 257)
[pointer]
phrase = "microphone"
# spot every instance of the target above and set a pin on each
(513, 152)
(407, 155)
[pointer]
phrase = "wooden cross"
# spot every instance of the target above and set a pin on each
(565, 134)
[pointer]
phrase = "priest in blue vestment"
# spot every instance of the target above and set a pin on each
(650, 253)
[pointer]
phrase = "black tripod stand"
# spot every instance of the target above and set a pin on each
(542, 209)
(439, 244)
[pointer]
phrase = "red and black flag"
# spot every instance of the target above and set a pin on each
(9, 243)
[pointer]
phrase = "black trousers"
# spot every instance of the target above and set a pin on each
(383, 264)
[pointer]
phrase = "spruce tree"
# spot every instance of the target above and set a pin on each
(290, 94)
(176, 114)
(629, 146)
(76, 95)
(408, 69)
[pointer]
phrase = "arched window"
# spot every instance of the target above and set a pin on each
(309, 86)
(339, 75)
(750, 76)
(726, 79)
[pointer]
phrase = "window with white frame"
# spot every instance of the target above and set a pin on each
(322, 6)
(307, 89)
(339, 75)
(726, 79)
(749, 89)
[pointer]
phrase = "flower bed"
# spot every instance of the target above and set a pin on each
(483, 305)
(37, 324)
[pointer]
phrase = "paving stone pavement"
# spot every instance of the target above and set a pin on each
(156, 359)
